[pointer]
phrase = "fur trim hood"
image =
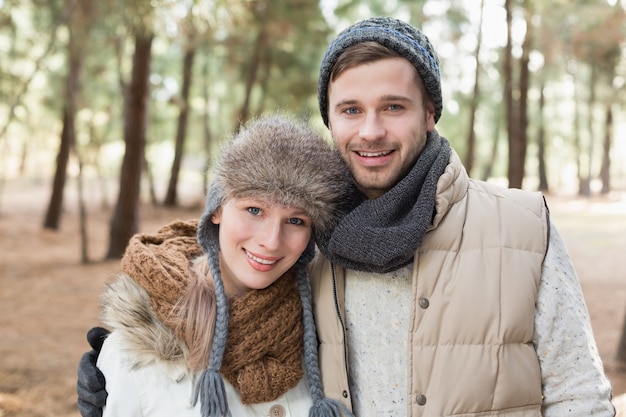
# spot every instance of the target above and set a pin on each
(141, 303)
(127, 310)
(283, 161)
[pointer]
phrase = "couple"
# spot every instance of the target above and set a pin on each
(434, 294)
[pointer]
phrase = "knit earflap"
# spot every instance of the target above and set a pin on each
(322, 406)
(284, 162)
(210, 387)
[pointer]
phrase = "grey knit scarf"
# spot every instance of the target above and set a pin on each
(382, 234)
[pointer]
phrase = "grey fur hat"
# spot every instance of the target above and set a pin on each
(283, 161)
(394, 34)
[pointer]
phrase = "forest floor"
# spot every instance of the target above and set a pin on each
(49, 299)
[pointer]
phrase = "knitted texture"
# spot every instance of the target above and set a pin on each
(394, 34)
(322, 406)
(263, 358)
(160, 263)
(382, 234)
(210, 388)
(280, 161)
(264, 355)
(268, 332)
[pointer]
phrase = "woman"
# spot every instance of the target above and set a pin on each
(225, 327)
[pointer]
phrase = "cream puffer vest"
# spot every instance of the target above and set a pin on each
(475, 282)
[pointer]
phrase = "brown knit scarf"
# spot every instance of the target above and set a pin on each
(161, 263)
(263, 357)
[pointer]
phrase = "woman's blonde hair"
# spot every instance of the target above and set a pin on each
(197, 312)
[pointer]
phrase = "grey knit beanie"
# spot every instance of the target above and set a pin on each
(278, 160)
(394, 34)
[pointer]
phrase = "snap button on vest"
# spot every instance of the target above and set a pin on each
(421, 399)
(424, 303)
(277, 411)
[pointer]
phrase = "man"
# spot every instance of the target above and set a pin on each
(438, 295)
(454, 297)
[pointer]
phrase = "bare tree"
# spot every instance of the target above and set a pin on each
(125, 220)
(605, 168)
(516, 96)
(76, 28)
(541, 142)
(471, 135)
(510, 104)
(171, 196)
(252, 74)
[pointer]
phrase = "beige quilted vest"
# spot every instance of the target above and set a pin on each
(474, 290)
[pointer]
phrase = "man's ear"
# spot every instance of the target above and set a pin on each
(430, 116)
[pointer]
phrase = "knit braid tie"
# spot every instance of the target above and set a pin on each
(210, 386)
(322, 406)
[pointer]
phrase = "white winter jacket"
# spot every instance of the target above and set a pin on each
(142, 384)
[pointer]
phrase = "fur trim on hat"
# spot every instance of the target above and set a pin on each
(283, 161)
(394, 34)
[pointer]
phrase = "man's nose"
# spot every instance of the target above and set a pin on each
(372, 127)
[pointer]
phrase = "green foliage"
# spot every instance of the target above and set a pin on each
(255, 56)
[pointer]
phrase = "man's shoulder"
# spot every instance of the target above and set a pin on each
(526, 198)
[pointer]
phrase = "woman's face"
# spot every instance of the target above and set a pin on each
(259, 242)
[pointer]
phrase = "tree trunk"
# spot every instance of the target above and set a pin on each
(253, 69)
(471, 134)
(206, 123)
(125, 220)
(68, 133)
(541, 143)
(519, 154)
(55, 206)
(493, 155)
(585, 189)
(512, 125)
(82, 211)
(621, 349)
(605, 169)
(577, 121)
(181, 133)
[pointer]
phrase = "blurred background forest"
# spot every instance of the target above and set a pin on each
(111, 112)
(130, 99)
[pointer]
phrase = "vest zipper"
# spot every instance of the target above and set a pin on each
(343, 326)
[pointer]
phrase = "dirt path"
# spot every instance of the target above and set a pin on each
(48, 299)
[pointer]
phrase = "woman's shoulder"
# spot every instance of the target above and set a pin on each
(127, 310)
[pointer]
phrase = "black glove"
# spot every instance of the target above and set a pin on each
(92, 395)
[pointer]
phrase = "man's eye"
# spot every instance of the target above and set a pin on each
(351, 110)
(395, 107)
(254, 210)
(296, 221)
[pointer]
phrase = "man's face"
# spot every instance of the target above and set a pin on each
(378, 121)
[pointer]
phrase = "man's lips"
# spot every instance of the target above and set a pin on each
(370, 154)
(373, 158)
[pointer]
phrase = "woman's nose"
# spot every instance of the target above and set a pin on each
(271, 235)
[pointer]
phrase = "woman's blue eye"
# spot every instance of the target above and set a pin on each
(254, 210)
